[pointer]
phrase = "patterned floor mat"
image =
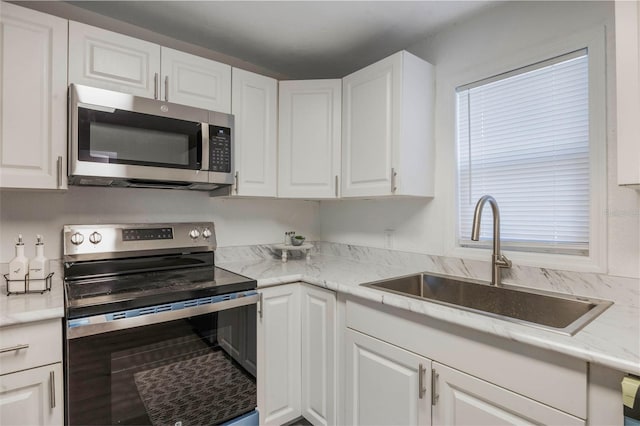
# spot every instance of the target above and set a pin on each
(205, 390)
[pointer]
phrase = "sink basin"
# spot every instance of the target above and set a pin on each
(550, 311)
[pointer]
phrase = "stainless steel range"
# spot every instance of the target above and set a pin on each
(156, 333)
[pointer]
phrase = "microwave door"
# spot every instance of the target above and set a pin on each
(121, 144)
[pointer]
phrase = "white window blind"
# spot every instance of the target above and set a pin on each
(523, 137)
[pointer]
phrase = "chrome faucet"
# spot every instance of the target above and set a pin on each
(498, 260)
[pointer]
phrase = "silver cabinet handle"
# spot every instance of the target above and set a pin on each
(434, 394)
(166, 88)
(394, 176)
(421, 388)
(260, 306)
(14, 348)
(52, 389)
(336, 188)
(237, 181)
(155, 86)
(59, 165)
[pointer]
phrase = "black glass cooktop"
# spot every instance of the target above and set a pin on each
(108, 294)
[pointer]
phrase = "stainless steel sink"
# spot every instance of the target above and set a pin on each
(550, 311)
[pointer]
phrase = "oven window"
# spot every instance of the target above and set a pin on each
(124, 137)
(197, 371)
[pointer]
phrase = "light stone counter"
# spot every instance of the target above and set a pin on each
(22, 308)
(612, 339)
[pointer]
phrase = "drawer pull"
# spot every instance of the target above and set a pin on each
(421, 388)
(394, 177)
(155, 86)
(14, 348)
(52, 389)
(59, 170)
(434, 394)
(166, 88)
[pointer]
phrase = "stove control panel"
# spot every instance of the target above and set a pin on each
(120, 240)
(136, 234)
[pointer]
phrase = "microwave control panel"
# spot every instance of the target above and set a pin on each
(219, 149)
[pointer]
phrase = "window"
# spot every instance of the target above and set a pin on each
(523, 137)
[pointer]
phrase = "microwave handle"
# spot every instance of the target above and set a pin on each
(205, 147)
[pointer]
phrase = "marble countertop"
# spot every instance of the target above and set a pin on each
(612, 339)
(22, 308)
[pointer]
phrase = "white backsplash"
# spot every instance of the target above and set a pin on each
(237, 221)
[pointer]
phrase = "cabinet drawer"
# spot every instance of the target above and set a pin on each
(40, 343)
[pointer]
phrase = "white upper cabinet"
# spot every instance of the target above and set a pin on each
(628, 91)
(113, 61)
(309, 138)
(387, 128)
(255, 107)
(33, 113)
(191, 80)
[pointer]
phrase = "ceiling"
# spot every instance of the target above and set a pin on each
(298, 39)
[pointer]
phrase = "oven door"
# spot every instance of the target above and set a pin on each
(191, 364)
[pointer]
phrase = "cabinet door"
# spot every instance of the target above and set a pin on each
(254, 104)
(318, 310)
(387, 129)
(369, 125)
(32, 397)
(195, 81)
(279, 383)
(33, 113)
(309, 138)
(463, 399)
(628, 91)
(113, 61)
(385, 385)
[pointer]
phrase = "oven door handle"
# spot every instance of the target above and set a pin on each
(99, 324)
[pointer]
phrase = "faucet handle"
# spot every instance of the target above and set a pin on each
(502, 261)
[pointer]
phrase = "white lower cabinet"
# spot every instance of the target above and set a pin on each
(31, 376)
(297, 354)
(279, 384)
(462, 399)
(318, 311)
(385, 385)
(32, 397)
(401, 368)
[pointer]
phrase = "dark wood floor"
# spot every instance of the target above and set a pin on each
(300, 421)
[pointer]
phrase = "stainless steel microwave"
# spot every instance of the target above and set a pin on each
(116, 139)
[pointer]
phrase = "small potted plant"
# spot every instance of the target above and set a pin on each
(297, 240)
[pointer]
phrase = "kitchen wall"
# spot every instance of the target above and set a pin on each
(415, 225)
(237, 221)
(504, 31)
